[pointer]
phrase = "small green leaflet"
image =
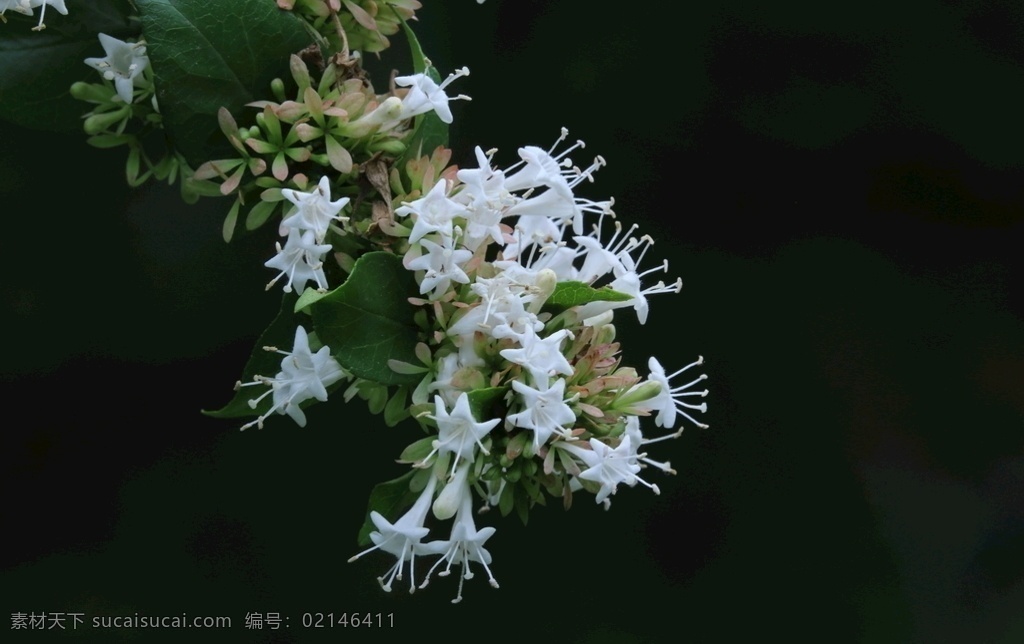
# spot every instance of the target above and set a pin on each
(570, 294)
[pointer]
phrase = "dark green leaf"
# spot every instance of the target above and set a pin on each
(208, 55)
(482, 401)
(570, 294)
(390, 499)
(38, 68)
(280, 333)
(368, 320)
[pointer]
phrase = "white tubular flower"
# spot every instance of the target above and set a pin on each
(670, 400)
(609, 467)
(315, 210)
(19, 6)
(303, 375)
(465, 544)
(544, 411)
(123, 64)
(441, 265)
(539, 356)
(458, 432)
(26, 6)
(425, 95)
(434, 213)
(402, 538)
(301, 260)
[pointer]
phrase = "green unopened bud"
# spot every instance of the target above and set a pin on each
(393, 147)
(606, 334)
(638, 394)
(91, 92)
(100, 122)
(277, 89)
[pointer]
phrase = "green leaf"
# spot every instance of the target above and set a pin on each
(38, 68)
(570, 294)
(307, 298)
(208, 55)
(368, 320)
(280, 333)
(482, 401)
(390, 499)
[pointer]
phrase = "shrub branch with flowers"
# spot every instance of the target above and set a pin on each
(477, 301)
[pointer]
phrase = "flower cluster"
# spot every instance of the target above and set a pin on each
(26, 6)
(514, 282)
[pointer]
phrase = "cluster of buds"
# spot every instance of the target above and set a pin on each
(335, 124)
(125, 113)
(359, 25)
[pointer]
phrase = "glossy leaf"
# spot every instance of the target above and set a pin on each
(280, 333)
(390, 499)
(368, 320)
(206, 55)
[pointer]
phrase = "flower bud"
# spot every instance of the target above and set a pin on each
(99, 122)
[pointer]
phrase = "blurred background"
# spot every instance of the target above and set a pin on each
(840, 190)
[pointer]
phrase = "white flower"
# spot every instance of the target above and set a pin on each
(465, 544)
(458, 432)
(123, 64)
(26, 6)
(303, 375)
(441, 265)
(540, 356)
(301, 260)
(609, 467)
(402, 538)
(425, 95)
(544, 411)
(669, 400)
(315, 210)
(20, 6)
(434, 213)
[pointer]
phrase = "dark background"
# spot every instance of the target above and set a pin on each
(840, 188)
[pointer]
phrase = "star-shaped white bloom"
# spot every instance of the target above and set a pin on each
(610, 467)
(434, 213)
(304, 375)
(425, 95)
(123, 64)
(669, 400)
(539, 356)
(402, 538)
(441, 265)
(301, 259)
(465, 545)
(26, 6)
(458, 432)
(544, 411)
(315, 210)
